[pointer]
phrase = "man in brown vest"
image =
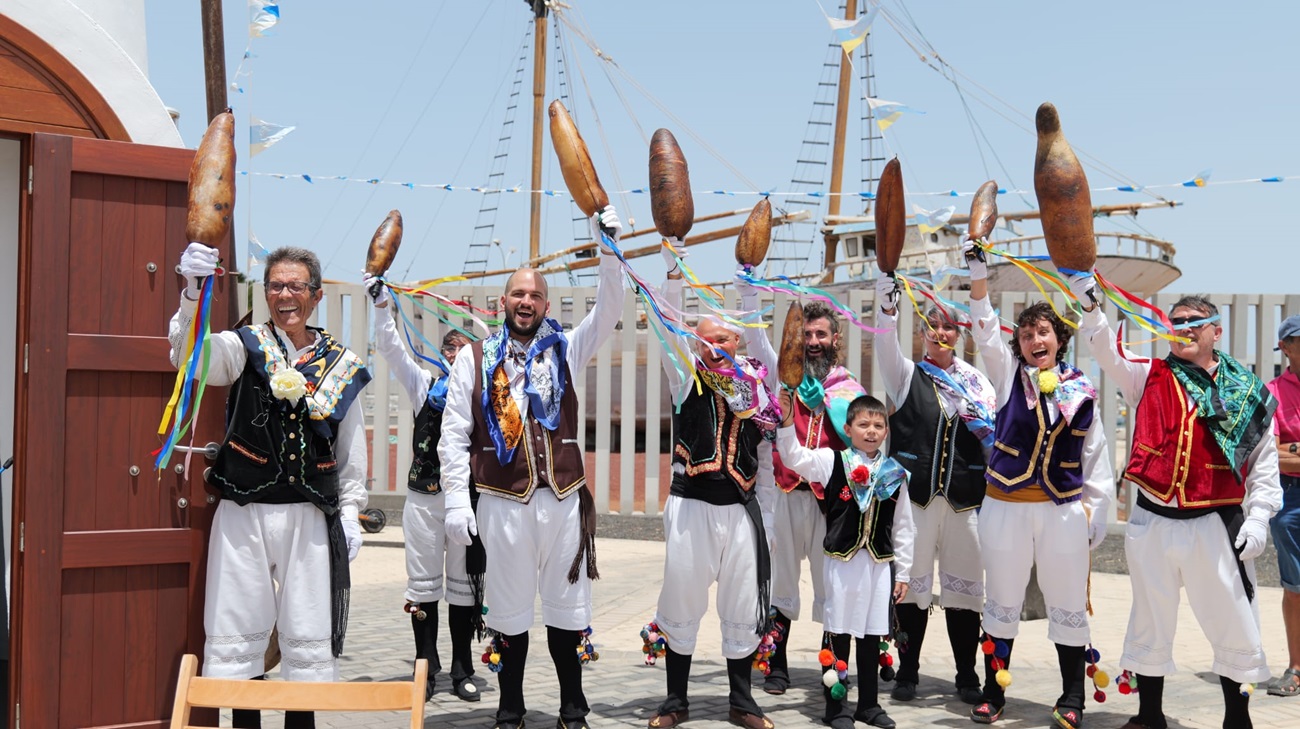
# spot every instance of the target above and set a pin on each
(511, 424)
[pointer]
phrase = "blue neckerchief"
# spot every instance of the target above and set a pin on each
(438, 393)
(977, 417)
(886, 476)
(546, 413)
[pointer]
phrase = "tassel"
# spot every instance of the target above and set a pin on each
(587, 542)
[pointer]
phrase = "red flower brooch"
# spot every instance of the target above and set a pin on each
(860, 474)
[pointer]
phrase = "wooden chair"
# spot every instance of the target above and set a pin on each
(194, 690)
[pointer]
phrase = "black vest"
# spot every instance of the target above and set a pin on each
(426, 471)
(275, 452)
(848, 529)
(715, 456)
(942, 454)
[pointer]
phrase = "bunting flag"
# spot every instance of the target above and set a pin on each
(851, 33)
(257, 253)
(263, 134)
(888, 112)
(264, 15)
(1200, 179)
(928, 221)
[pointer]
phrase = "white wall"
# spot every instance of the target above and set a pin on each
(10, 167)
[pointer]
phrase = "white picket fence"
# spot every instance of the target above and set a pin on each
(637, 396)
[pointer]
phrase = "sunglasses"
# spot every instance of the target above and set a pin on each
(1192, 322)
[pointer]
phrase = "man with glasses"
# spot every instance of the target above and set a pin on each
(291, 471)
(1206, 468)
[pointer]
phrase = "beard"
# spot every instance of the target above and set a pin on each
(819, 366)
(522, 331)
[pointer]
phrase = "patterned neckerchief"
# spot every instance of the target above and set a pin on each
(544, 383)
(1073, 388)
(747, 395)
(966, 385)
(1232, 401)
(883, 476)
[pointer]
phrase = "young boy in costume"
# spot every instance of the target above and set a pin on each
(868, 525)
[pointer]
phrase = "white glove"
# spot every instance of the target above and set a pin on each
(608, 219)
(460, 525)
(1252, 538)
(1096, 530)
(351, 530)
(1084, 288)
(887, 292)
(197, 262)
(743, 287)
(979, 270)
(670, 260)
(379, 297)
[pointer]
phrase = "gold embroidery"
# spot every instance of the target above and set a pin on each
(248, 453)
(1005, 448)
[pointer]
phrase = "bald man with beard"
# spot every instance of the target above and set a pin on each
(511, 424)
(799, 526)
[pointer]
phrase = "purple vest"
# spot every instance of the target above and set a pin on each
(1027, 452)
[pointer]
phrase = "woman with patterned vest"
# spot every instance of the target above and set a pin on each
(292, 473)
(1049, 488)
(942, 431)
(798, 526)
(1205, 462)
(511, 428)
(434, 568)
(713, 527)
(868, 527)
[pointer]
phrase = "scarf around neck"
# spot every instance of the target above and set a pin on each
(883, 476)
(1073, 388)
(544, 383)
(1233, 402)
(968, 386)
(747, 396)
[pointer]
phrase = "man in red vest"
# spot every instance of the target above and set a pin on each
(1205, 463)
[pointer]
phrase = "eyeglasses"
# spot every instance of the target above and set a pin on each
(295, 287)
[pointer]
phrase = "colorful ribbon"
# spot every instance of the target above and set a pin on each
(191, 381)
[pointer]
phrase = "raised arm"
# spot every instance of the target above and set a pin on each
(678, 379)
(413, 379)
(757, 345)
(1129, 375)
(600, 322)
(895, 368)
(228, 353)
(999, 362)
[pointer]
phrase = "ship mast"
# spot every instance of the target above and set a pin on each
(539, 106)
(837, 149)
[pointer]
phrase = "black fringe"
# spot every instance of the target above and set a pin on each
(340, 583)
(587, 541)
(764, 622)
(476, 570)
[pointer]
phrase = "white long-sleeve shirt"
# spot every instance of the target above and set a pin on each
(1003, 368)
(1263, 489)
(897, 369)
(458, 416)
(817, 464)
(227, 364)
(414, 379)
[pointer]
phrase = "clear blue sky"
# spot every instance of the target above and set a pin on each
(415, 91)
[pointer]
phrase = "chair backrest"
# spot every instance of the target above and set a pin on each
(194, 690)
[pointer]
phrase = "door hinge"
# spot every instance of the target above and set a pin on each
(26, 348)
(29, 179)
(22, 535)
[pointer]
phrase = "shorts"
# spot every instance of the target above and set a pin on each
(1285, 526)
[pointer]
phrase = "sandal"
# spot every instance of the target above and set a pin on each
(1288, 684)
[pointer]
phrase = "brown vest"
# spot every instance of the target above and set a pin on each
(547, 457)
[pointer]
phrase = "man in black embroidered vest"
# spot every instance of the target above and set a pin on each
(434, 568)
(712, 522)
(511, 427)
(942, 429)
(292, 475)
(1049, 488)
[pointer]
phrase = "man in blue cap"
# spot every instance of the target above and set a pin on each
(1285, 524)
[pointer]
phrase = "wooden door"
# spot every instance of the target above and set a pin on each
(112, 567)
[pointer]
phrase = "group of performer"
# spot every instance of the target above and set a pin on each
(982, 474)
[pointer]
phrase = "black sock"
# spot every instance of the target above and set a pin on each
(460, 624)
(510, 679)
(964, 637)
(1070, 659)
(426, 638)
(838, 644)
(678, 668)
(741, 696)
(1236, 708)
(779, 668)
(868, 681)
(993, 693)
(568, 671)
(1151, 691)
(912, 620)
(247, 718)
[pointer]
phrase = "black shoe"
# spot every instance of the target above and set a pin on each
(985, 713)
(465, 690)
(1067, 718)
(904, 691)
(574, 724)
(970, 694)
(776, 685)
(507, 725)
(428, 688)
(875, 716)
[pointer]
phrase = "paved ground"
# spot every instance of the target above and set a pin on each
(623, 692)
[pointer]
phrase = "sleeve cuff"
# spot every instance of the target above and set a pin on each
(349, 512)
(458, 499)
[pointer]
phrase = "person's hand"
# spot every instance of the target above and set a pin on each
(1251, 539)
(351, 530)
(1084, 288)
(887, 293)
(974, 255)
(743, 286)
(197, 263)
(607, 220)
(900, 591)
(670, 259)
(1096, 530)
(460, 525)
(786, 400)
(378, 292)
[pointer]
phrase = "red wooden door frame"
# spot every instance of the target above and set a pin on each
(102, 567)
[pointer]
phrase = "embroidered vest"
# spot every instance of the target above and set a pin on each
(849, 529)
(814, 430)
(426, 471)
(1175, 458)
(715, 453)
(279, 453)
(1028, 453)
(542, 458)
(942, 454)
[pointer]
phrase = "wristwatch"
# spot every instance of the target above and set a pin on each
(1293, 447)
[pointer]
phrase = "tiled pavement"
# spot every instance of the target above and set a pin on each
(623, 692)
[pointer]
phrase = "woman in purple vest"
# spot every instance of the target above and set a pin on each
(1049, 488)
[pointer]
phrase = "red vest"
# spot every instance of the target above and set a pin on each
(814, 430)
(1175, 458)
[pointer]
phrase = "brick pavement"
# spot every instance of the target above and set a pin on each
(623, 692)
